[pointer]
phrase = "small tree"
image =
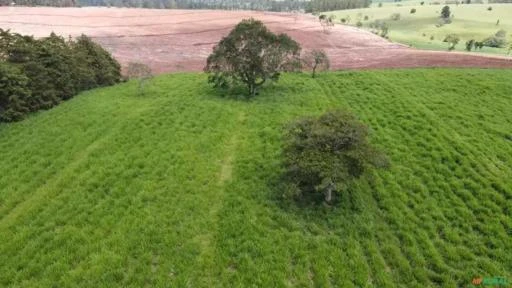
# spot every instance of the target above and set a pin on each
(316, 59)
(141, 72)
(324, 155)
(453, 40)
(470, 44)
(327, 22)
(445, 13)
(251, 54)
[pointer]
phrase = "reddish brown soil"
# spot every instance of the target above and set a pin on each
(180, 40)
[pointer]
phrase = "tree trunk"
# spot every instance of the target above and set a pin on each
(328, 192)
(314, 71)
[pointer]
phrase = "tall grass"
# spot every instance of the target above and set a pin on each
(179, 188)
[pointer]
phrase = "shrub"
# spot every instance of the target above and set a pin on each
(380, 4)
(489, 8)
(495, 42)
(359, 24)
(501, 33)
(366, 18)
(395, 16)
(324, 155)
(422, 3)
(498, 40)
(413, 10)
(250, 54)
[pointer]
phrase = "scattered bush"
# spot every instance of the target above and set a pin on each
(413, 10)
(323, 156)
(55, 70)
(251, 54)
(395, 16)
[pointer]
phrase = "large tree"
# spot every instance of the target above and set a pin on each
(251, 54)
(324, 155)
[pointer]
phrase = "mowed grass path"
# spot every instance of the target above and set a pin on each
(179, 187)
(471, 21)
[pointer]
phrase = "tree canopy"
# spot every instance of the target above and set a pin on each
(40, 73)
(251, 54)
(323, 155)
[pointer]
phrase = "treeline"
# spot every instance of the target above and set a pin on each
(263, 5)
(38, 74)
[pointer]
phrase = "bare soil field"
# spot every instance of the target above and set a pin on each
(180, 40)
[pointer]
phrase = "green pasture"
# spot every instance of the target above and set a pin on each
(471, 21)
(180, 187)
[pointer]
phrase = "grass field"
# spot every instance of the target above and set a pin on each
(178, 188)
(472, 21)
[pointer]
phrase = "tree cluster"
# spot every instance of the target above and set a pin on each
(270, 5)
(40, 73)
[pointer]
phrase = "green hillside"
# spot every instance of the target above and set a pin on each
(419, 30)
(179, 187)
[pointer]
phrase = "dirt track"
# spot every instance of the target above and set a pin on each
(180, 40)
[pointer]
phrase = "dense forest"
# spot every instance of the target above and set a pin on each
(265, 5)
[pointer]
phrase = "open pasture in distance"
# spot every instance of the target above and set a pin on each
(181, 40)
(179, 188)
(473, 21)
